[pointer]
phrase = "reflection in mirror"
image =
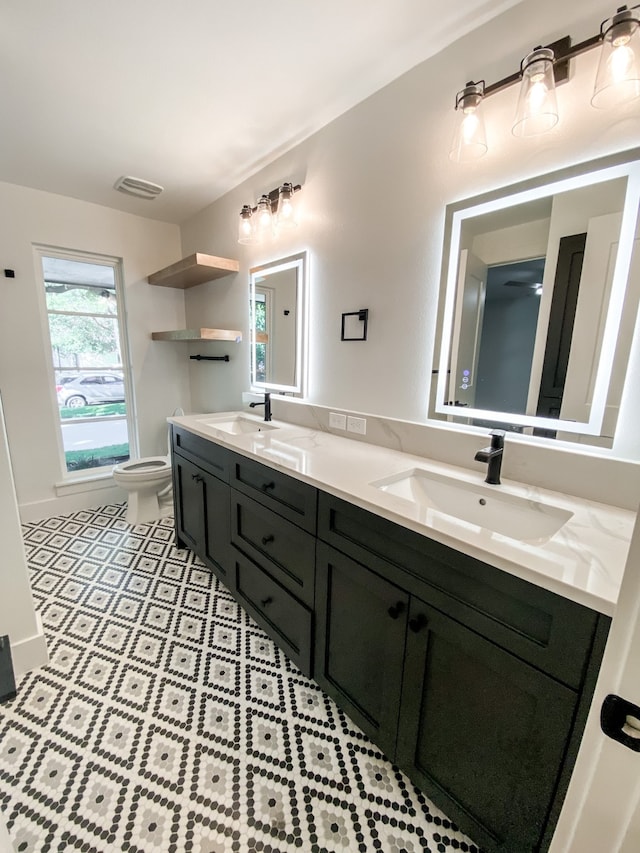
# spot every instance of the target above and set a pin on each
(277, 311)
(538, 319)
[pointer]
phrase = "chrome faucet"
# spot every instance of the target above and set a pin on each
(267, 405)
(492, 455)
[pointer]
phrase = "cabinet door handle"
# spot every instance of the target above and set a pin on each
(267, 486)
(266, 601)
(196, 478)
(396, 609)
(267, 539)
(418, 623)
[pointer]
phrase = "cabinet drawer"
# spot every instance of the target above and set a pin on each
(545, 629)
(275, 610)
(286, 551)
(288, 497)
(209, 455)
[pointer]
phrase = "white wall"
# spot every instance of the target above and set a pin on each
(376, 182)
(18, 617)
(160, 375)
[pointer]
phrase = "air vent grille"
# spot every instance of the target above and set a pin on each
(137, 187)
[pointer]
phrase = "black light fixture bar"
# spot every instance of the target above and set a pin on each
(274, 195)
(563, 52)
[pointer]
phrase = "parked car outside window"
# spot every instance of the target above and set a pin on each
(90, 389)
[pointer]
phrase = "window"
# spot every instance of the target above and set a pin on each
(85, 319)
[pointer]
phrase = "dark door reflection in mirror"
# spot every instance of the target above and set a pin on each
(277, 324)
(536, 329)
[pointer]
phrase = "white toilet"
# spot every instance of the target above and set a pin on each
(148, 482)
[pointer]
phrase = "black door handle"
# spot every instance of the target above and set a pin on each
(266, 601)
(396, 609)
(267, 486)
(620, 720)
(267, 539)
(196, 478)
(418, 623)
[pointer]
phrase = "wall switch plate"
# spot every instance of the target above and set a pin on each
(358, 425)
(337, 421)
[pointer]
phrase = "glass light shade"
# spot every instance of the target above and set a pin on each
(469, 138)
(263, 219)
(287, 214)
(245, 226)
(618, 75)
(537, 110)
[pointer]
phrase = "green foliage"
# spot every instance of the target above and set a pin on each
(100, 411)
(97, 457)
(260, 309)
(78, 335)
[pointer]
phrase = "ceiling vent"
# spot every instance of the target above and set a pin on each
(137, 187)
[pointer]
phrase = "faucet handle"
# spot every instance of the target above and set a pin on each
(497, 438)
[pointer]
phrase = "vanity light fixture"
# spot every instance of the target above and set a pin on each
(617, 82)
(469, 138)
(273, 212)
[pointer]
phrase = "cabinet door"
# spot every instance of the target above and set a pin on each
(202, 516)
(189, 503)
(361, 624)
(217, 548)
(481, 732)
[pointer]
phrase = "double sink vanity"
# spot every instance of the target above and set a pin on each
(460, 625)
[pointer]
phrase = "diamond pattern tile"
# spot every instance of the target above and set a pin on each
(168, 721)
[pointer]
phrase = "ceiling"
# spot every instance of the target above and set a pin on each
(194, 95)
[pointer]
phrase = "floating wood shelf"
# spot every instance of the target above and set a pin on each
(198, 335)
(195, 269)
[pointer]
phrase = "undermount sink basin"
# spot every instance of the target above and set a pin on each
(239, 425)
(487, 507)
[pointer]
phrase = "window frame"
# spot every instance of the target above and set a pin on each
(45, 251)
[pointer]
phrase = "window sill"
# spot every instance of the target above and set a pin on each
(86, 483)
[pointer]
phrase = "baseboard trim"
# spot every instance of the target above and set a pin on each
(87, 499)
(30, 653)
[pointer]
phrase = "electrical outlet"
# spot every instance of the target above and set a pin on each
(337, 421)
(358, 425)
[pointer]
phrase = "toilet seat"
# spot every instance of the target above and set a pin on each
(150, 468)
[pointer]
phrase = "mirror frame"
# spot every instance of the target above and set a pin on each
(625, 164)
(297, 262)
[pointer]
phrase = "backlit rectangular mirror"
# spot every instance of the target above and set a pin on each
(278, 324)
(539, 302)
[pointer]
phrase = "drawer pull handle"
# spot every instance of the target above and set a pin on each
(266, 601)
(267, 486)
(416, 625)
(396, 609)
(267, 539)
(196, 478)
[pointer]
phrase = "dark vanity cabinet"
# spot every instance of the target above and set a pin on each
(474, 682)
(273, 525)
(201, 501)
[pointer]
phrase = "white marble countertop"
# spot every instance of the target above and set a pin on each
(583, 561)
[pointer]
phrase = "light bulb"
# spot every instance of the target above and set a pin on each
(537, 109)
(470, 124)
(246, 233)
(469, 139)
(286, 215)
(263, 218)
(621, 62)
(618, 75)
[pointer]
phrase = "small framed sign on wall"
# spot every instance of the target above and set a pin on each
(354, 325)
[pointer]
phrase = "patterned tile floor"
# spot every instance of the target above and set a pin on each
(168, 721)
